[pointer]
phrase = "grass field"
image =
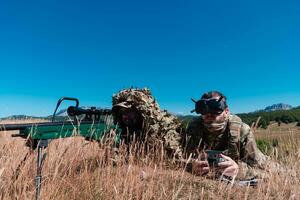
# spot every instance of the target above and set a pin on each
(78, 169)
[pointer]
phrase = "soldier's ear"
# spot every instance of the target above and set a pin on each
(226, 111)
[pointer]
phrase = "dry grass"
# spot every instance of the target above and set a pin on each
(78, 169)
(284, 132)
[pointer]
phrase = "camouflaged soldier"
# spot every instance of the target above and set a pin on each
(139, 115)
(218, 129)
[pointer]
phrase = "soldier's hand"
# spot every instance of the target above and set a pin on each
(229, 167)
(200, 167)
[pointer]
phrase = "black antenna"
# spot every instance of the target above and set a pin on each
(221, 97)
(195, 103)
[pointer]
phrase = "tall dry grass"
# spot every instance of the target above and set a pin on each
(79, 169)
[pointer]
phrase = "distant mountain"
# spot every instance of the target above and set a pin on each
(275, 107)
(61, 113)
(20, 117)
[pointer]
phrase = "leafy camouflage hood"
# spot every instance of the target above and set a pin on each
(156, 120)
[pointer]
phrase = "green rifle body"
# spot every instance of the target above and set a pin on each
(55, 130)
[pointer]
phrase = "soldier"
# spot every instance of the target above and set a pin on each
(218, 129)
(139, 117)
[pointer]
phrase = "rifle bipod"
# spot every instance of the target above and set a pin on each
(40, 162)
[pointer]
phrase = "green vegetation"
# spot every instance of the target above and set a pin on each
(282, 116)
(266, 146)
(263, 145)
(186, 119)
(20, 117)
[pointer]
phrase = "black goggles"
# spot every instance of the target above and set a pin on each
(211, 106)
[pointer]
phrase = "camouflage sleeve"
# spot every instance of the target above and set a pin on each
(248, 172)
(172, 140)
(252, 161)
(192, 138)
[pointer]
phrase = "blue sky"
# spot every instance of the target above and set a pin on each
(249, 50)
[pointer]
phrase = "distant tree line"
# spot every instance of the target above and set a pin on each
(280, 116)
(20, 117)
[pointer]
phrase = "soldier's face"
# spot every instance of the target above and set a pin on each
(216, 123)
(131, 119)
(207, 118)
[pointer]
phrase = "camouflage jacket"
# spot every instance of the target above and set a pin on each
(237, 141)
(158, 124)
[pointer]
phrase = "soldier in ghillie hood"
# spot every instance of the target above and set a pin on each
(140, 117)
(217, 129)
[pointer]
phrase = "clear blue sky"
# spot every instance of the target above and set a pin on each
(249, 50)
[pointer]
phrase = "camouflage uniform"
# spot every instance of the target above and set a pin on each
(237, 142)
(157, 124)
